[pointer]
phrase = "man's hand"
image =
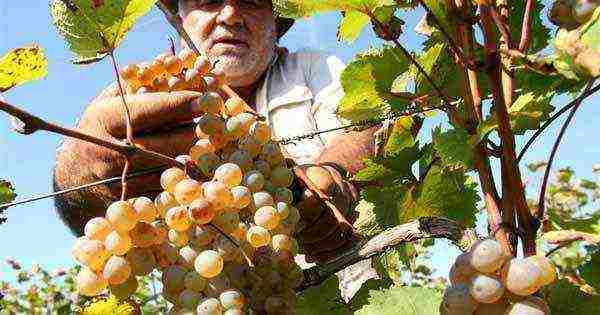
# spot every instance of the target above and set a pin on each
(161, 122)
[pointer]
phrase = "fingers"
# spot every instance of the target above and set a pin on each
(148, 111)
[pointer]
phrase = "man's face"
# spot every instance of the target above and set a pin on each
(239, 35)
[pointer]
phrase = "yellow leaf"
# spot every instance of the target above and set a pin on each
(22, 65)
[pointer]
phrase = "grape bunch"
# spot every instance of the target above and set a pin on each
(224, 239)
(486, 281)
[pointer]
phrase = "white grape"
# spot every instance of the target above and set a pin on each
(209, 306)
(202, 147)
(117, 243)
(254, 180)
(178, 238)
(163, 202)
(216, 285)
(123, 291)
(521, 277)
(145, 209)
(258, 236)
(97, 229)
(203, 236)
(262, 199)
(194, 281)
(486, 289)
(116, 270)
(121, 216)
(457, 300)
(242, 196)
(462, 271)
(211, 124)
(283, 210)
(217, 194)
(209, 264)
(177, 218)
(229, 174)
(141, 260)
(89, 282)
(266, 217)
(530, 306)
(201, 211)
(143, 235)
(91, 253)
(282, 242)
(188, 256)
(165, 254)
(260, 131)
(170, 177)
(235, 105)
(186, 191)
(546, 267)
(487, 256)
(242, 159)
(232, 299)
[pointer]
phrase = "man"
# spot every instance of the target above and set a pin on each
(296, 92)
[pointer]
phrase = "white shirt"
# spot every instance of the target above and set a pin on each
(299, 95)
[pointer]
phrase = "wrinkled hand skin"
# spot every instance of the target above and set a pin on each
(325, 234)
(161, 121)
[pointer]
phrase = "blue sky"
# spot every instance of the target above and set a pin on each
(34, 233)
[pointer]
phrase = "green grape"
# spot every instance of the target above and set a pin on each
(284, 227)
(209, 306)
(457, 300)
(260, 131)
(266, 217)
(161, 230)
(268, 187)
(145, 209)
(262, 199)
(254, 180)
(141, 260)
(165, 254)
(124, 290)
(242, 196)
(121, 216)
(521, 277)
(170, 177)
(201, 211)
(229, 174)
(186, 191)
(487, 256)
(496, 308)
(177, 219)
(194, 281)
(235, 105)
(173, 278)
(178, 238)
(89, 282)
(210, 102)
(117, 243)
(258, 236)
(218, 194)
(91, 253)
(233, 128)
(207, 163)
(143, 235)
(462, 271)
(189, 299)
(486, 289)
(203, 236)
(226, 249)
(294, 216)
(283, 210)
(227, 221)
(530, 306)
(97, 229)
(250, 145)
(271, 153)
(187, 57)
(187, 255)
(281, 176)
(209, 264)
(546, 267)
(173, 65)
(283, 194)
(201, 147)
(116, 270)
(232, 299)
(282, 242)
(216, 285)
(264, 167)
(211, 124)
(163, 202)
(242, 159)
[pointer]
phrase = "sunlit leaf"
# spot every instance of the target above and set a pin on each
(454, 148)
(352, 25)
(94, 28)
(403, 300)
(304, 8)
(22, 65)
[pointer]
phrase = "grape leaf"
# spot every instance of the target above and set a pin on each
(403, 300)
(454, 148)
(7, 192)
(94, 29)
(589, 270)
(352, 25)
(565, 299)
(22, 65)
(303, 8)
(401, 136)
(367, 81)
(326, 298)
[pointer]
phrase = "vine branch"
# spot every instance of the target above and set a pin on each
(409, 232)
(526, 29)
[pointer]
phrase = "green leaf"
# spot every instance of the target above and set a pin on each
(454, 148)
(401, 136)
(326, 298)
(566, 299)
(93, 28)
(372, 171)
(304, 8)
(589, 271)
(22, 65)
(528, 111)
(428, 60)
(7, 192)
(352, 25)
(444, 193)
(403, 300)
(367, 81)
